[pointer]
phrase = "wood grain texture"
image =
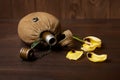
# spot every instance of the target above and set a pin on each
(72, 9)
(50, 6)
(22, 7)
(55, 66)
(90, 9)
(5, 9)
(85, 9)
(115, 9)
(63, 9)
(83, 17)
(96, 9)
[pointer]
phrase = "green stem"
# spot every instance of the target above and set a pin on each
(77, 38)
(34, 44)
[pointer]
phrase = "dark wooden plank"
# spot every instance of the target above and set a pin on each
(72, 9)
(50, 6)
(63, 9)
(55, 66)
(96, 9)
(22, 7)
(84, 9)
(5, 9)
(115, 9)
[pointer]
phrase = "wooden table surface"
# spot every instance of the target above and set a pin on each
(55, 66)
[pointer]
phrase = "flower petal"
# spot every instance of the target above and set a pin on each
(88, 48)
(74, 55)
(96, 58)
(91, 43)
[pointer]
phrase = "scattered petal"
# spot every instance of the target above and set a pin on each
(91, 43)
(86, 47)
(96, 58)
(74, 54)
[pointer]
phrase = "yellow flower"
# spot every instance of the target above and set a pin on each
(91, 43)
(74, 54)
(96, 58)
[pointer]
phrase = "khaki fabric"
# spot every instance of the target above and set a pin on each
(29, 31)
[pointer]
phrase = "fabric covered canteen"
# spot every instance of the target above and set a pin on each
(35, 26)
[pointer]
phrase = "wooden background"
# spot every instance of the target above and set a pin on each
(100, 18)
(63, 9)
